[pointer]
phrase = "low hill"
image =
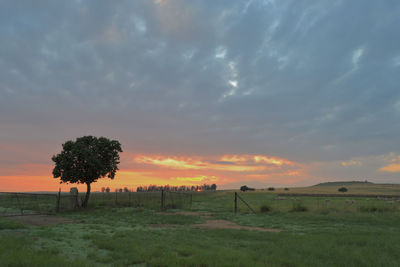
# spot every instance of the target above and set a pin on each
(344, 183)
(354, 187)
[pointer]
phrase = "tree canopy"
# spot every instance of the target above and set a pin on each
(87, 159)
(342, 189)
(245, 188)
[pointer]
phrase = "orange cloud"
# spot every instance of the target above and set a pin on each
(257, 159)
(232, 163)
(351, 163)
(234, 158)
(391, 168)
(201, 178)
(272, 160)
(171, 162)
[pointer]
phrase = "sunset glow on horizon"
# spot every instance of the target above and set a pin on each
(227, 171)
(162, 170)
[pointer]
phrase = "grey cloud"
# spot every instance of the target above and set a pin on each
(148, 74)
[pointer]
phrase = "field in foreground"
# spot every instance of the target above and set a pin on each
(301, 231)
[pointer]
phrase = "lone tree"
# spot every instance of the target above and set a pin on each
(245, 188)
(342, 189)
(85, 160)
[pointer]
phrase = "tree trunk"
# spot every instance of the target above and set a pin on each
(85, 202)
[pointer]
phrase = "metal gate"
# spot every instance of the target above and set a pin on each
(17, 204)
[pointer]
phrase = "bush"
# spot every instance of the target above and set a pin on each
(271, 188)
(342, 189)
(286, 189)
(265, 208)
(374, 208)
(298, 207)
(245, 188)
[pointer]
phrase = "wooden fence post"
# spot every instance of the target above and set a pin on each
(21, 207)
(235, 202)
(58, 200)
(162, 200)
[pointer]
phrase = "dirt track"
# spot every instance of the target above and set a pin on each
(224, 224)
(215, 224)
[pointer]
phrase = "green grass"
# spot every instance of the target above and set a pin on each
(331, 232)
(18, 247)
(298, 207)
(7, 224)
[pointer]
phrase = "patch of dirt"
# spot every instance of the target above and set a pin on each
(224, 224)
(188, 213)
(212, 224)
(40, 220)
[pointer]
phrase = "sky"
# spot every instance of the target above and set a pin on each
(233, 92)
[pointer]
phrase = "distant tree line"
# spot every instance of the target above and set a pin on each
(156, 188)
(105, 190)
(120, 190)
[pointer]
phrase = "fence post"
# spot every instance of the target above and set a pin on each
(162, 200)
(58, 200)
(21, 207)
(235, 202)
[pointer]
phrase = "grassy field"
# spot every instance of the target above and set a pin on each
(353, 188)
(313, 231)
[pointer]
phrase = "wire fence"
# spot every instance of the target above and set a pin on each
(320, 203)
(15, 204)
(152, 200)
(177, 200)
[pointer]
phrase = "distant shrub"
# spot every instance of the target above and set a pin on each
(245, 188)
(286, 189)
(373, 208)
(271, 188)
(298, 207)
(342, 189)
(265, 208)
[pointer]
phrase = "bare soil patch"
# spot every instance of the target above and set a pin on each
(213, 224)
(40, 220)
(224, 224)
(188, 213)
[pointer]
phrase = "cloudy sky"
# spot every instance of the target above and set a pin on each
(232, 92)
